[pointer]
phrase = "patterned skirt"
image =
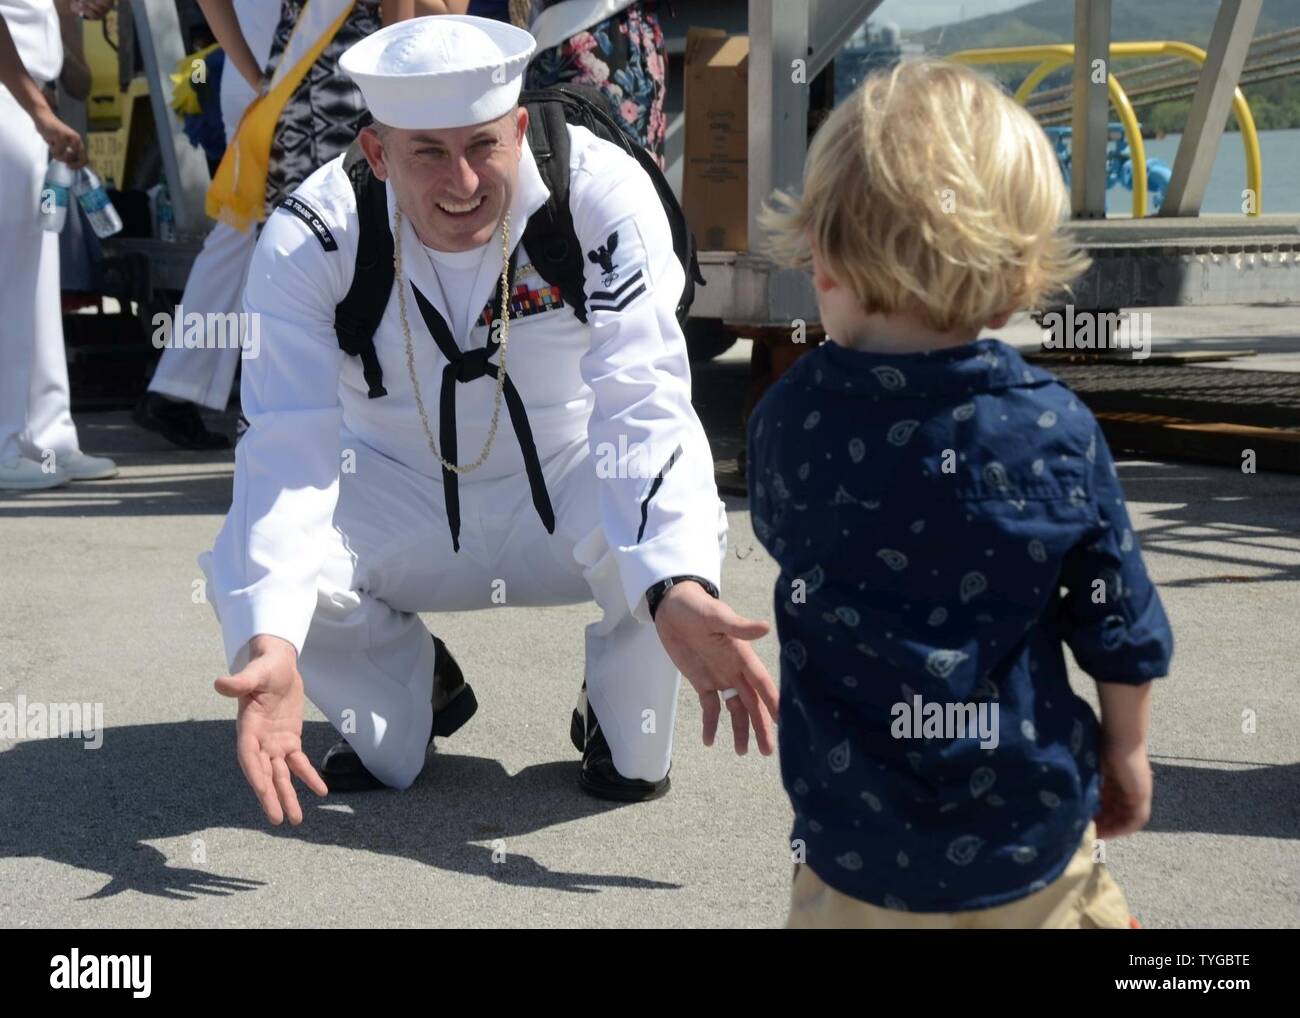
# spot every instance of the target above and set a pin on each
(325, 112)
(623, 57)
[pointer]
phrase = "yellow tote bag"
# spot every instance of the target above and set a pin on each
(237, 195)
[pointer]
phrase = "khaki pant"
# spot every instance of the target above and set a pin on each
(1084, 896)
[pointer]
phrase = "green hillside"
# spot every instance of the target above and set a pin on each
(1275, 104)
(1053, 21)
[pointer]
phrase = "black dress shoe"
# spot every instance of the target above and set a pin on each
(453, 704)
(597, 776)
(177, 421)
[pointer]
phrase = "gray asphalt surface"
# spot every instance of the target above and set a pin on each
(157, 828)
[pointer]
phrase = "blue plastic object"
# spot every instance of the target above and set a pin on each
(1119, 164)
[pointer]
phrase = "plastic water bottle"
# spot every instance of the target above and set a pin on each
(166, 217)
(104, 219)
(54, 196)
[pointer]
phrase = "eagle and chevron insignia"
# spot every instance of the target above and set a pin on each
(604, 257)
(625, 268)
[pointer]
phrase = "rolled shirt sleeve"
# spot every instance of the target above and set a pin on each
(659, 500)
(1113, 619)
(267, 557)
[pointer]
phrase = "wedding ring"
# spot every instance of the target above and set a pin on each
(727, 694)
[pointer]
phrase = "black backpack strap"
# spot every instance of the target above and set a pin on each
(357, 316)
(550, 238)
(683, 239)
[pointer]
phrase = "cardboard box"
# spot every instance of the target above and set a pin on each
(715, 175)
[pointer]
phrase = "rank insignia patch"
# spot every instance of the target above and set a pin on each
(604, 257)
(621, 274)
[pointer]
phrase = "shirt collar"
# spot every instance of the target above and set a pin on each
(981, 366)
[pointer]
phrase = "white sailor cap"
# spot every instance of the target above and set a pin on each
(444, 70)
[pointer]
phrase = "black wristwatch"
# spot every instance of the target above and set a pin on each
(656, 593)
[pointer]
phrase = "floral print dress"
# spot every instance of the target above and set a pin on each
(623, 57)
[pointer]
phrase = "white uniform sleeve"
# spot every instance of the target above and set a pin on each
(266, 560)
(659, 500)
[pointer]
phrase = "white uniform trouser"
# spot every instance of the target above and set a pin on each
(215, 285)
(35, 414)
(216, 281)
(368, 654)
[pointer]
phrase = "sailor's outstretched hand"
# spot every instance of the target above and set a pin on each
(268, 728)
(709, 644)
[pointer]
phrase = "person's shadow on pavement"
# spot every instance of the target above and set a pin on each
(97, 810)
(1261, 802)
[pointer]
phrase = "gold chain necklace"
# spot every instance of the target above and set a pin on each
(410, 346)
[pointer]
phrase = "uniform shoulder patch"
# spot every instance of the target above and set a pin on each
(296, 206)
(622, 274)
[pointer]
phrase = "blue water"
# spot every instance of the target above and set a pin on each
(1280, 157)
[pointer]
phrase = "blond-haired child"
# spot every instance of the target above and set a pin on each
(946, 517)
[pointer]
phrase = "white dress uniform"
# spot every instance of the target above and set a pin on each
(339, 530)
(216, 281)
(35, 415)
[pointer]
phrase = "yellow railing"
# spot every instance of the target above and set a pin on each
(1054, 56)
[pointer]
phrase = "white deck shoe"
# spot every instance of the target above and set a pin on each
(22, 474)
(80, 467)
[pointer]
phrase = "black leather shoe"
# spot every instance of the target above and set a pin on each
(177, 421)
(343, 770)
(597, 775)
(453, 704)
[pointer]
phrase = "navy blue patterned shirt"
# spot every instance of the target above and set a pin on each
(944, 523)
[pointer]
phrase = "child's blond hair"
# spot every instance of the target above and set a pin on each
(930, 191)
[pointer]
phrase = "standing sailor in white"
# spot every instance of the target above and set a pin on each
(190, 377)
(585, 472)
(38, 441)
